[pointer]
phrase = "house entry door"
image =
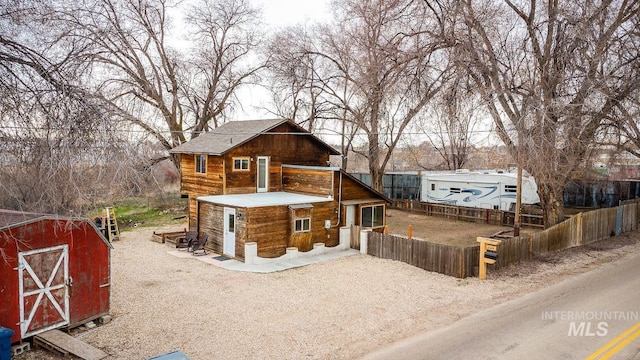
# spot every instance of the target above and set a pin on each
(229, 241)
(350, 217)
(43, 276)
(263, 174)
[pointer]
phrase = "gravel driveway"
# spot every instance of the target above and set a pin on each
(339, 309)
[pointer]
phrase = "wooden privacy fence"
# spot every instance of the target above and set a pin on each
(581, 229)
(445, 259)
(478, 215)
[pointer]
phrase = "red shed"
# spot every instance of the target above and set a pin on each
(54, 272)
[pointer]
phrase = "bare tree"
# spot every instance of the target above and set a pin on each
(147, 79)
(551, 73)
(385, 66)
(450, 122)
(60, 152)
(302, 85)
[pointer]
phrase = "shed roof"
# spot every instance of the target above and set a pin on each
(12, 218)
(235, 133)
(263, 199)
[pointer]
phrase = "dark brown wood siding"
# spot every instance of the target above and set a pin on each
(308, 181)
(272, 229)
(212, 224)
(352, 190)
(281, 149)
(321, 212)
(269, 228)
(211, 183)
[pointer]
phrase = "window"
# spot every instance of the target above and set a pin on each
(231, 222)
(372, 216)
(201, 164)
(455, 190)
(302, 225)
(433, 187)
(511, 188)
(240, 164)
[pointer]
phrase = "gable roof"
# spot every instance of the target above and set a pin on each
(10, 219)
(361, 183)
(235, 133)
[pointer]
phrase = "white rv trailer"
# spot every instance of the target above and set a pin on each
(489, 190)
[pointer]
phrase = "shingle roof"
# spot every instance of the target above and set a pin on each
(9, 218)
(229, 135)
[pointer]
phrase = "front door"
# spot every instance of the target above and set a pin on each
(43, 276)
(229, 241)
(350, 217)
(263, 174)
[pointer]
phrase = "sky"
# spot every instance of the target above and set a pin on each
(290, 12)
(278, 14)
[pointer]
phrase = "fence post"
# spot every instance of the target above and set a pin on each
(579, 235)
(410, 232)
(364, 241)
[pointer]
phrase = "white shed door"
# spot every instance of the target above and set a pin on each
(229, 241)
(43, 275)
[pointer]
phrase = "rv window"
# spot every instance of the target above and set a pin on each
(511, 188)
(455, 190)
(433, 187)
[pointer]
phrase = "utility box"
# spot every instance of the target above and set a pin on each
(5, 343)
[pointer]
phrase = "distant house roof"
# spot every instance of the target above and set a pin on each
(232, 134)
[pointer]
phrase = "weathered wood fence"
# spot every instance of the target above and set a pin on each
(478, 215)
(581, 229)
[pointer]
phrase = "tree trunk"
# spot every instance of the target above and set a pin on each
(551, 200)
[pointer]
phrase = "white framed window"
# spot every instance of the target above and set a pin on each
(455, 190)
(511, 188)
(302, 225)
(372, 216)
(240, 164)
(201, 164)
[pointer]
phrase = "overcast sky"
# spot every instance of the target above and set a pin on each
(290, 12)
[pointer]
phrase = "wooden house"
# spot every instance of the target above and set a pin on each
(268, 182)
(54, 273)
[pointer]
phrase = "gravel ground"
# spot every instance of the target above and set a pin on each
(339, 309)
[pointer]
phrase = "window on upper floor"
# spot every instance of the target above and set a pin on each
(240, 164)
(201, 164)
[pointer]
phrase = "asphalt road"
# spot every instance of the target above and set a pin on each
(590, 316)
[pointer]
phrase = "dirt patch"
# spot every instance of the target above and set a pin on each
(438, 229)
